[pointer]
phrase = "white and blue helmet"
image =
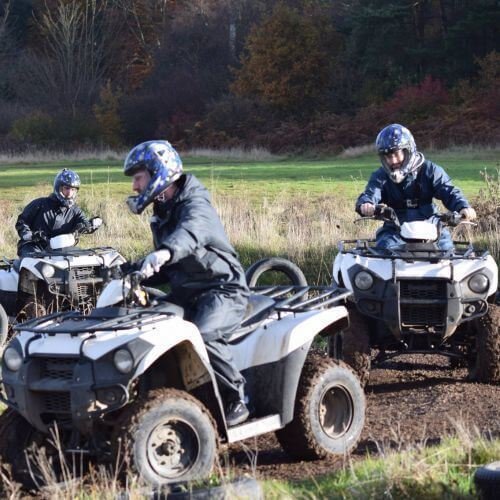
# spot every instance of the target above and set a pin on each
(68, 178)
(393, 138)
(162, 162)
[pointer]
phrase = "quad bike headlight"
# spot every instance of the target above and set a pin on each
(124, 361)
(479, 283)
(363, 280)
(48, 271)
(12, 359)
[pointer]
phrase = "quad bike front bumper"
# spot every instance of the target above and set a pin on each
(70, 392)
(419, 305)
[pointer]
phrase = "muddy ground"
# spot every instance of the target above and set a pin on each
(409, 400)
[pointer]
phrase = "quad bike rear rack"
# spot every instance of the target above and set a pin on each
(303, 298)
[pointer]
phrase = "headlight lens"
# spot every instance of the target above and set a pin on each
(479, 283)
(12, 359)
(124, 361)
(363, 280)
(48, 271)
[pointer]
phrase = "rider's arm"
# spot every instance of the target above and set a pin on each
(444, 190)
(24, 224)
(373, 191)
(197, 221)
(79, 219)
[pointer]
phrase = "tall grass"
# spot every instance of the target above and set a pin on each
(303, 229)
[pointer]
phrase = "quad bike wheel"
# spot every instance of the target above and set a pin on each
(487, 363)
(352, 345)
(329, 412)
(167, 437)
(24, 450)
(487, 481)
(275, 264)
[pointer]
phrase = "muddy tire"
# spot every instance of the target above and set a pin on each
(276, 264)
(487, 481)
(167, 437)
(487, 363)
(23, 448)
(352, 345)
(329, 412)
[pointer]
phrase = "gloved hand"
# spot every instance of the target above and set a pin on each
(27, 236)
(40, 236)
(95, 223)
(154, 261)
(468, 213)
(367, 209)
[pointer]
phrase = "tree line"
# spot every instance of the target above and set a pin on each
(288, 75)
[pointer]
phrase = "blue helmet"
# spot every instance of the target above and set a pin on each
(395, 138)
(162, 162)
(68, 178)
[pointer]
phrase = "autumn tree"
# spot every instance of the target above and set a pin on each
(288, 61)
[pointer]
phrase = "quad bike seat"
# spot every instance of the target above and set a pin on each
(258, 309)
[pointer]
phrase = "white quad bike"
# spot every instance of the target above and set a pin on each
(132, 383)
(60, 278)
(419, 299)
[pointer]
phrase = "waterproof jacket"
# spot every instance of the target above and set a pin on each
(50, 216)
(412, 199)
(202, 257)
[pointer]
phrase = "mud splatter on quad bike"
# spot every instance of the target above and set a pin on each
(60, 278)
(133, 377)
(419, 299)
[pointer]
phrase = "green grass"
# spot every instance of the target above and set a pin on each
(304, 177)
(438, 472)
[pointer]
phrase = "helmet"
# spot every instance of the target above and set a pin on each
(162, 162)
(68, 178)
(394, 138)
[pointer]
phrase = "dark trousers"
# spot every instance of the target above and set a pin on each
(217, 315)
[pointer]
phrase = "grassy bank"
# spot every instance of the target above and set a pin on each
(438, 472)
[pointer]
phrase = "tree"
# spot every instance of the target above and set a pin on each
(67, 70)
(287, 62)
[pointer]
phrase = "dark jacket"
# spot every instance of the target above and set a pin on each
(412, 198)
(50, 216)
(202, 257)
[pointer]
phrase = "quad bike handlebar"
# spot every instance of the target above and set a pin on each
(388, 214)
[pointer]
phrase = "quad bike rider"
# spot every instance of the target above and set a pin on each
(425, 295)
(193, 255)
(132, 383)
(50, 273)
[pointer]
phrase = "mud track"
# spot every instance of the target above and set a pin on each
(410, 400)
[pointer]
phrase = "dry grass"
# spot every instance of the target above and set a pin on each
(305, 230)
(106, 154)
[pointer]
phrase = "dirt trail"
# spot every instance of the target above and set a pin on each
(409, 401)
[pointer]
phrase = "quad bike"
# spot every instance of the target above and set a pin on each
(132, 382)
(419, 299)
(60, 278)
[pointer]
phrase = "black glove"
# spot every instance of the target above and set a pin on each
(40, 236)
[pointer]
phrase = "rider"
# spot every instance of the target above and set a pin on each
(408, 182)
(50, 216)
(192, 254)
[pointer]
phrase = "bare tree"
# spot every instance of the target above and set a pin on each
(73, 62)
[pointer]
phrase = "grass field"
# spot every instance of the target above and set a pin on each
(299, 208)
(256, 179)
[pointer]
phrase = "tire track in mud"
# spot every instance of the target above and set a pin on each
(412, 400)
